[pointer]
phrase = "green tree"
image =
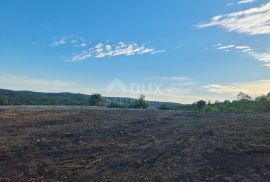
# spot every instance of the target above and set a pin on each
(263, 103)
(243, 96)
(200, 104)
(96, 100)
(3, 100)
(165, 107)
(117, 105)
(140, 103)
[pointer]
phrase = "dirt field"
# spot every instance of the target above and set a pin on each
(83, 144)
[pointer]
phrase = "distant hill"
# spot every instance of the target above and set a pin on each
(65, 98)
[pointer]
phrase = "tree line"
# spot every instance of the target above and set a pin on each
(243, 103)
(97, 100)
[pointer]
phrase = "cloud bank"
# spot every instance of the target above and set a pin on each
(254, 21)
(254, 88)
(263, 57)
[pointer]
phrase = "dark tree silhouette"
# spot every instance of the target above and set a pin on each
(96, 100)
(201, 104)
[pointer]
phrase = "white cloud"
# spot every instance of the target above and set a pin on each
(241, 2)
(74, 41)
(170, 78)
(254, 21)
(220, 89)
(174, 81)
(157, 52)
(175, 94)
(229, 4)
(102, 50)
(59, 42)
(246, 1)
(242, 47)
(263, 57)
(259, 56)
(226, 47)
(83, 44)
(231, 47)
(267, 65)
(254, 88)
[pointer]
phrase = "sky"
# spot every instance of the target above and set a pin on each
(176, 51)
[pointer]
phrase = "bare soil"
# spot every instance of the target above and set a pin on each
(91, 144)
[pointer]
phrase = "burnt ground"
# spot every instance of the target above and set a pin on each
(83, 144)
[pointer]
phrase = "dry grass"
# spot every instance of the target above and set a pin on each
(133, 145)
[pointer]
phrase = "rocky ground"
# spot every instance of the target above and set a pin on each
(91, 144)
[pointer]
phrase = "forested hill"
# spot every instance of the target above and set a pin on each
(10, 97)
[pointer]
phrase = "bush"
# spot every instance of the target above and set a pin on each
(140, 103)
(165, 107)
(243, 96)
(3, 100)
(96, 100)
(210, 108)
(117, 105)
(171, 107)
(263, 102)
(200, 104)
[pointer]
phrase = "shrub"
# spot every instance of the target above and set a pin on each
(96, 100)
(117, 105)
(210, 108)
(140, 103)
(243, 96)
(200, 104)
(3, 100)
(165, 107)
(171, 107)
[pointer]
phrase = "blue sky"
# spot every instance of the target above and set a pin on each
(179, 51)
